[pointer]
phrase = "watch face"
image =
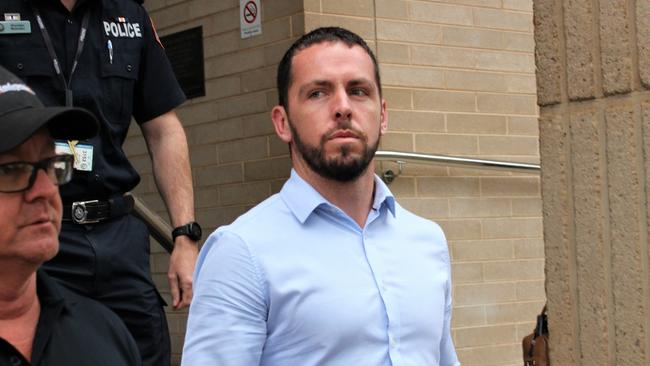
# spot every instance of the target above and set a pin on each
(195, 231)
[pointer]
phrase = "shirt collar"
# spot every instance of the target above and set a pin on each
(302, 199)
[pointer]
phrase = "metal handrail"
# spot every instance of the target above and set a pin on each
(402, 157)
(160, 230)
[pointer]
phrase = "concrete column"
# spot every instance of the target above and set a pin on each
(593, 71)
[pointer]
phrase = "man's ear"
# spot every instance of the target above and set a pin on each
(383, 118)
(281, 123)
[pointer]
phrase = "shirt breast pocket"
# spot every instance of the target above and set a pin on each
(119, 77)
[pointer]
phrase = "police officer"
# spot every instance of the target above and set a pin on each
(105, 56)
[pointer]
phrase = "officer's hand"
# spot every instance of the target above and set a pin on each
(181, 269)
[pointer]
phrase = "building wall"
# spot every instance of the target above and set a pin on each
(458, 78)
(593, 78)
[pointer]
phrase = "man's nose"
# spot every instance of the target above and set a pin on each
(342, 107)
(42, 187)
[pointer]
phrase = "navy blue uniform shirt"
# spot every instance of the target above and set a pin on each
(136, 82)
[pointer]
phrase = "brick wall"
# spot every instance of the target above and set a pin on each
(459, 80)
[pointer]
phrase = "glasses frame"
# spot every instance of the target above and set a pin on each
(44, 165)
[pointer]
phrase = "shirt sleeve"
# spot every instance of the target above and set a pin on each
(156, 91)
(227, 317)
(448, 355)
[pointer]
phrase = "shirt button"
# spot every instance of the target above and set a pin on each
(69, 21)
(19, 66)
(129, 67)
(15, 361)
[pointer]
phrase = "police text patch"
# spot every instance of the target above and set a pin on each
(122, 30)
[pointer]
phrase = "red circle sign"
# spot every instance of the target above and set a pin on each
(250, 12)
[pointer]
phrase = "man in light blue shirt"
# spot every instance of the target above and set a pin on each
(331, 270)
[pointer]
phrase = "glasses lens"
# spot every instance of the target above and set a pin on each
(59, 169)
(14, 177)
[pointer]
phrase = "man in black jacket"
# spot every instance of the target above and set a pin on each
(41, 323)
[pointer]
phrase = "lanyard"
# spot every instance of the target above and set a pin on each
(55, 60)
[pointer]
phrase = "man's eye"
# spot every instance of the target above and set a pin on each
(358, 92)
(316, 94)
(14, 169)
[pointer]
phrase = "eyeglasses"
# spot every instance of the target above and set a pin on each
(20, 176)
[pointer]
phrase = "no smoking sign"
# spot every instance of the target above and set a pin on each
(250, 17)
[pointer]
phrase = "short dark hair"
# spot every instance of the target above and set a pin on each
(318, 35)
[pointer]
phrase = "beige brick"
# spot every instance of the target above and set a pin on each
(313, 6)
(403, 187)
(215, 217)
(484, 293)
(242, 105)
(362, 8)
(394, 53)
(273, 31)
(482, 336)
(529, 248)
(443, 56)
(482, 3)
(500, 19)
(510, 186)
(249, 193)
(297, 25)
(394, 9)
(277, 147)
(512, 312)
(409, 76)
(494, 355)
(522, 5)
(461, 229)
(505, 61)
(277, 9)
(530, 290)
(168, 16)
(216, 132)
(484, 207)
(468, 316)
(134, 146)
(471, 37)
(476, 123)
(398, 98)
(232, 63)
(141, 163)
(514, 270)
(220, 174)
(508, 145)
(364, 27)
(267, 169)
(523, 126)
(467, 272)
(413, 121)
(510, 104)
(257, 125)
(518, 42)
(408, 32)
(219, 44)
(444, 101)
(616, 57)
(196, 113)
(273, 53)
(426, 207)
(505, 228)
(397, 142)
(439, 13)
(446, 144)
(201, 8)
(481, 250)
(202, 155)
(258, 80)
(448, 187)
(242, 150)
(205, 197)
(527, 206)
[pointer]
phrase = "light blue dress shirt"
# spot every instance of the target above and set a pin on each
(296, 282)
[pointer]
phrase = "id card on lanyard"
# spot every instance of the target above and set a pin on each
(83, 154)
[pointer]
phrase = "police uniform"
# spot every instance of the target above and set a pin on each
(120, 72)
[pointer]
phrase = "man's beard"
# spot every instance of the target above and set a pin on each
(339, 168)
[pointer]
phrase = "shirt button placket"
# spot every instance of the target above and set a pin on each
(15, 361)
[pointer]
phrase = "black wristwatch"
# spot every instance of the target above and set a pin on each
(192, 230)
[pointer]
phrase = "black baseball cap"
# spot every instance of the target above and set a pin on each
(22, 114)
